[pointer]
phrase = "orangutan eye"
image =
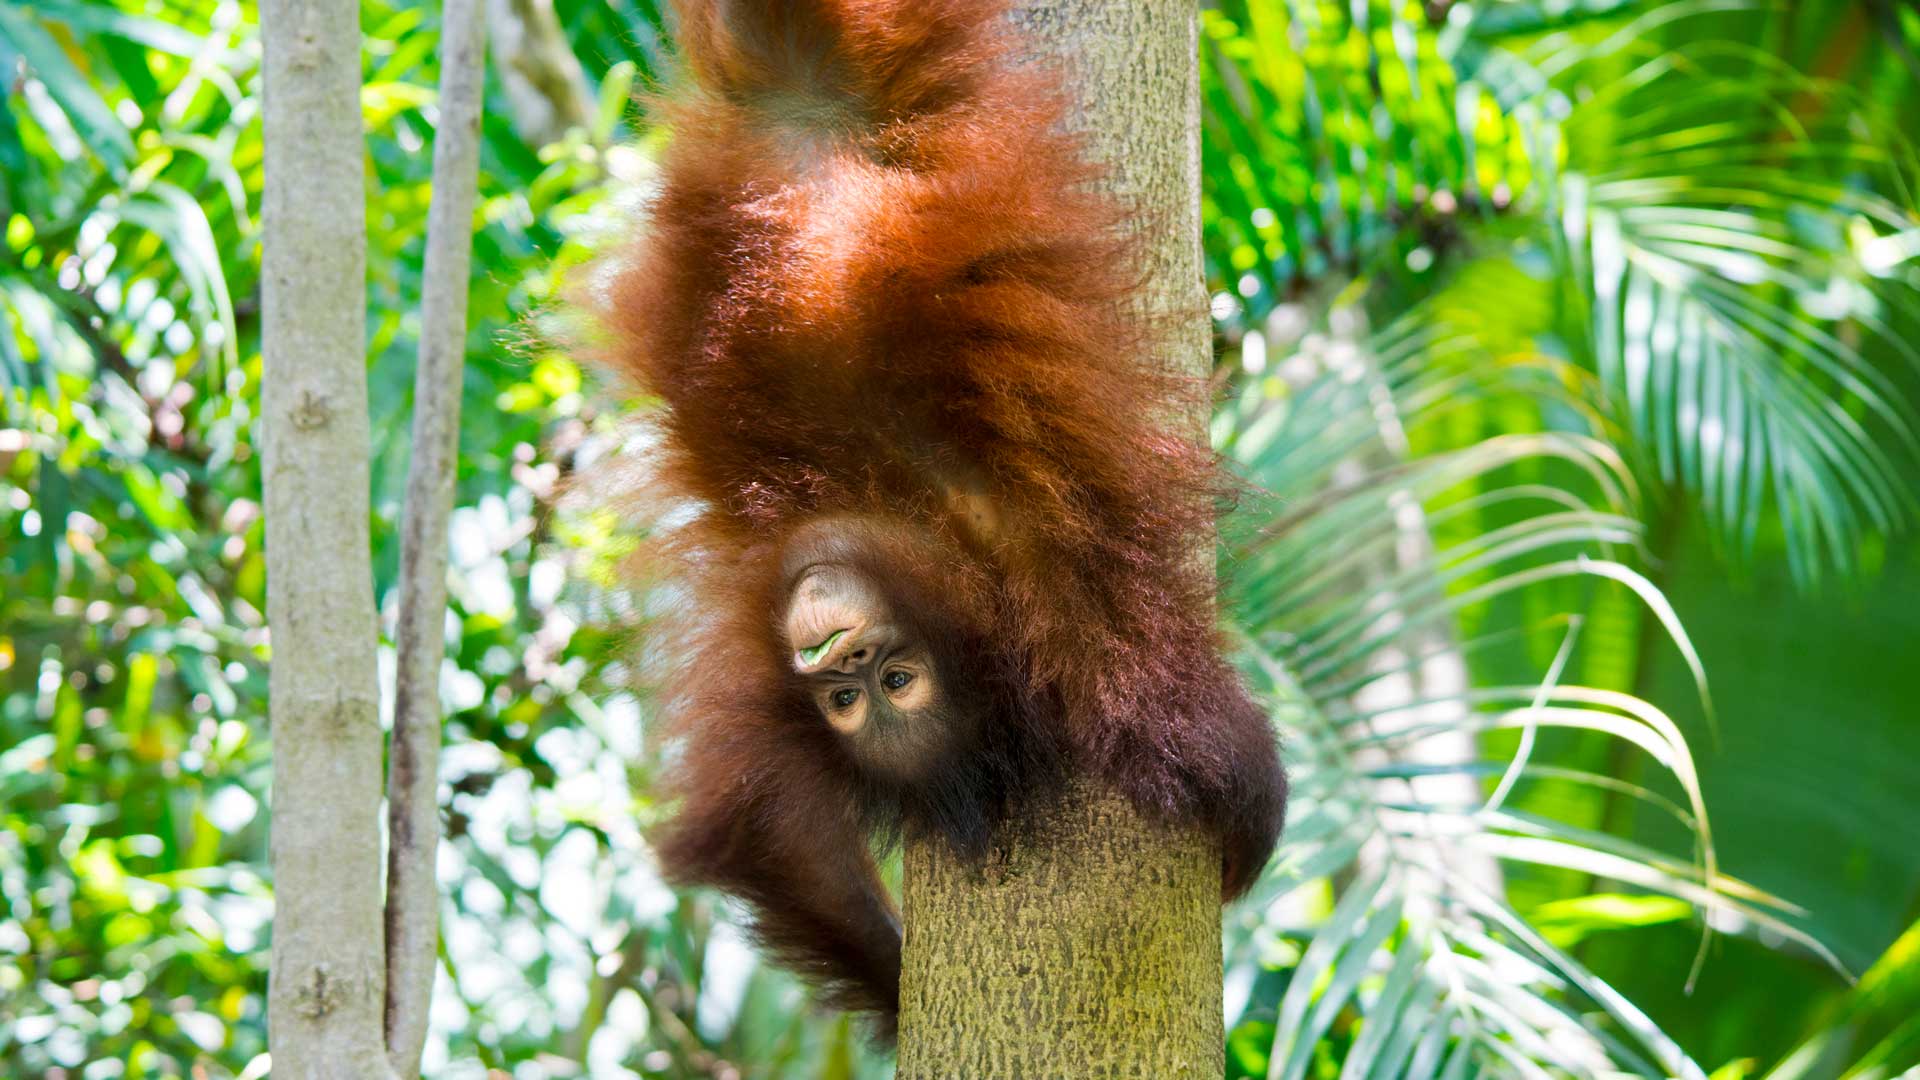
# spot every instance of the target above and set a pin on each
(845, 697)
(896, 679)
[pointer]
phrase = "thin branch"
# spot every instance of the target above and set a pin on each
(413, 781)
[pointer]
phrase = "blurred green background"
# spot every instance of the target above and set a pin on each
(1561, 344)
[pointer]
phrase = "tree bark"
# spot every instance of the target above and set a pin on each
(327, 978)
(1092, 948)
(413, 771)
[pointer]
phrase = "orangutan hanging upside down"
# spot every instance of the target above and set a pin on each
(921, 477)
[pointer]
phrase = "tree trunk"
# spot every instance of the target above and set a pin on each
(327, 981)
(1092, 948)
(413, 777)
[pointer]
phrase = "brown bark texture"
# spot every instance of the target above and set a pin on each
(1090, 947)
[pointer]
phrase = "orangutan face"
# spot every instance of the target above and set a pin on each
(869, 667)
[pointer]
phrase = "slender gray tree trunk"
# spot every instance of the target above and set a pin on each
(1093, 948)
(413, 774)
(328, 974)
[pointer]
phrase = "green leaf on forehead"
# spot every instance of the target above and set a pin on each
(812, 655)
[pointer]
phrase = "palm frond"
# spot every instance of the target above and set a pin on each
(1721, 244)
(1755, 351)
(1726, 242)
(1382, 940)
(1874, 1031)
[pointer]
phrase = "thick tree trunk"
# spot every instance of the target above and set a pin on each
(1092, 949)
(328, 978)
(413, 776)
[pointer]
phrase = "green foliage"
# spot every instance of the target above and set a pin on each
(1353, 601)
(1722, 237)
(1874, 1031)
(1722, 250)
(1663, 262)
(1510, 296)
(132, 645)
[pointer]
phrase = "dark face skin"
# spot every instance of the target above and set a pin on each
(867, 670)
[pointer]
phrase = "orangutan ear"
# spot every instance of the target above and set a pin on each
(975, 516)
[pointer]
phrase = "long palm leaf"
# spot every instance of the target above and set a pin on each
(1400, 816)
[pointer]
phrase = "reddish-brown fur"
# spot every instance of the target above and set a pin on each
(875, 275)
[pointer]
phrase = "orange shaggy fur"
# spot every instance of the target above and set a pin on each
(877, 277)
